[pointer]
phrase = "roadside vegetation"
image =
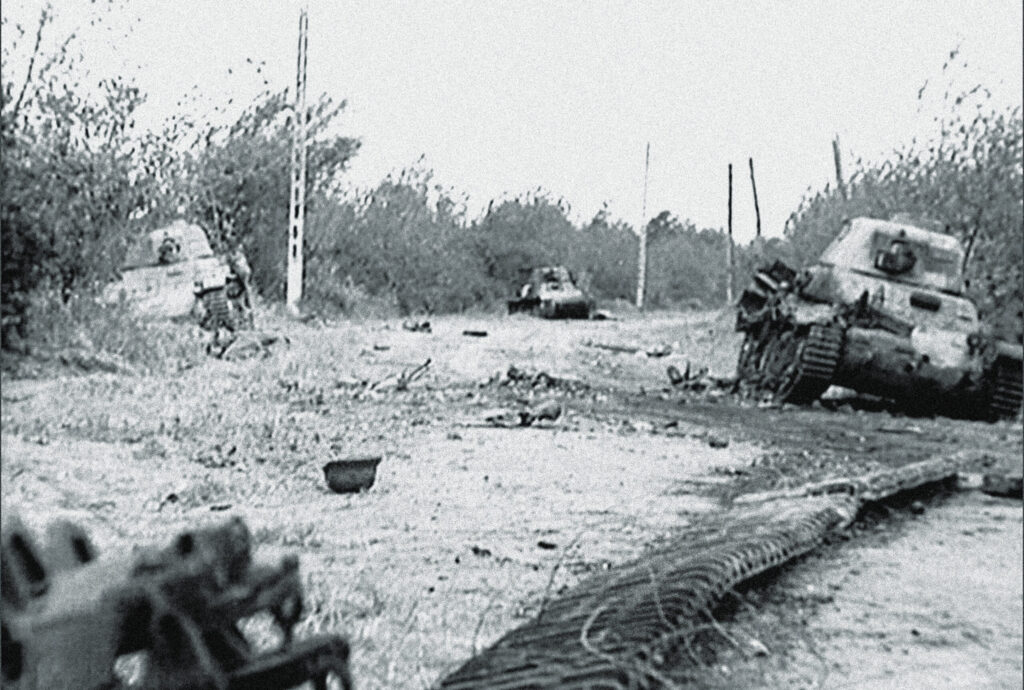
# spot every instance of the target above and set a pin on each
(80, 182)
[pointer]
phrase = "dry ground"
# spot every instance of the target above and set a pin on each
(442, 555)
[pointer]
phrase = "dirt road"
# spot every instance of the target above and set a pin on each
(468, 527)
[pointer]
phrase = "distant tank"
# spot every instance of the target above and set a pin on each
(173, 272)
(881, 312)
(551, 292)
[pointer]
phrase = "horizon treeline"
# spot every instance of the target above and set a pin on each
(80, 183)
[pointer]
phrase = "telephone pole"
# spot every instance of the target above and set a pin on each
(641, 271)
(753, 185)
(840, 183)
(729, 252)
(297, 210)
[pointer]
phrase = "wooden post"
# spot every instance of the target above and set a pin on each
(753, 185)
(839, 167)
(641, 269)
(297, 209)
(731, 258)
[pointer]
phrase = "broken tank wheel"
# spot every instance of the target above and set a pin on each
(800, 363)
(750, 354)
(1007, 389)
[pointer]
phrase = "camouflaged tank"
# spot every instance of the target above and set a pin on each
(551, 292)
(173, 272)
(881, 312)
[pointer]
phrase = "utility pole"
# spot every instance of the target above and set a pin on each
(641, 271)
(297, 210)
(839, 167)
(729, 252)
(753, 185)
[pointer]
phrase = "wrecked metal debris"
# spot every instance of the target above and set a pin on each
(69, 615)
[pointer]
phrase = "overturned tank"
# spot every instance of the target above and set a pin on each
(172, 272)
(551, 292)
(882, 312)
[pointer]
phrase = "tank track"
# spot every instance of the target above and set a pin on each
(1008, 390)
(815, 366)
(218, 311)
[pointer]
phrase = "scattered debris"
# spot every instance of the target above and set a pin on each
(1008, 486)
(475, 334)
(654, 352)
(717, 441)
(698, 381)
(540, 379)
(548, 411)
(659, 351)
(417, 326)
(401, 380)
(238, 345)
(627, 349)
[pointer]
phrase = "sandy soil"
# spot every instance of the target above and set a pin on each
(912, 601)
(442, 555)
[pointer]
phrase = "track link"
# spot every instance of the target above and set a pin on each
(1008, 390)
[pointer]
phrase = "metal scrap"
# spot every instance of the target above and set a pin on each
(68, 615)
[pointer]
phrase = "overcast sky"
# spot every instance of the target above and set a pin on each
(503, 97)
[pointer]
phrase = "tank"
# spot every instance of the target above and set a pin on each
(173, 272)
(551, 292)
(882, 312)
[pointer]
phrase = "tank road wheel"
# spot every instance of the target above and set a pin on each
(800, 366)
(1007, 389)
(218, 311)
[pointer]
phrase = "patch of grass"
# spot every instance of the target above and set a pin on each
(84, 335)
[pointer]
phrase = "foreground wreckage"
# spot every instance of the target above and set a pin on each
(68, 616)
(881, 312)
(551, 292)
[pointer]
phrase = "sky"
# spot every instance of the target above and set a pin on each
(500, 97)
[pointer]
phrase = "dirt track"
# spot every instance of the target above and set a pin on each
(444, 554)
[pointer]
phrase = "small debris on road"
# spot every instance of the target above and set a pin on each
(717, 441)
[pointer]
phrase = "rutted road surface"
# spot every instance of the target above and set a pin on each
(469, 527)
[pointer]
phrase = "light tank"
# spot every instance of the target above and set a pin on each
(882, 312)
(551, 292)
(172, 272)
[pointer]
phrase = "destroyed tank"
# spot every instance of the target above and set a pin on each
(551, 292)
(172, 272)
(882, 312)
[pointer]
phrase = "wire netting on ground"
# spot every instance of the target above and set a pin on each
(614, 630)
